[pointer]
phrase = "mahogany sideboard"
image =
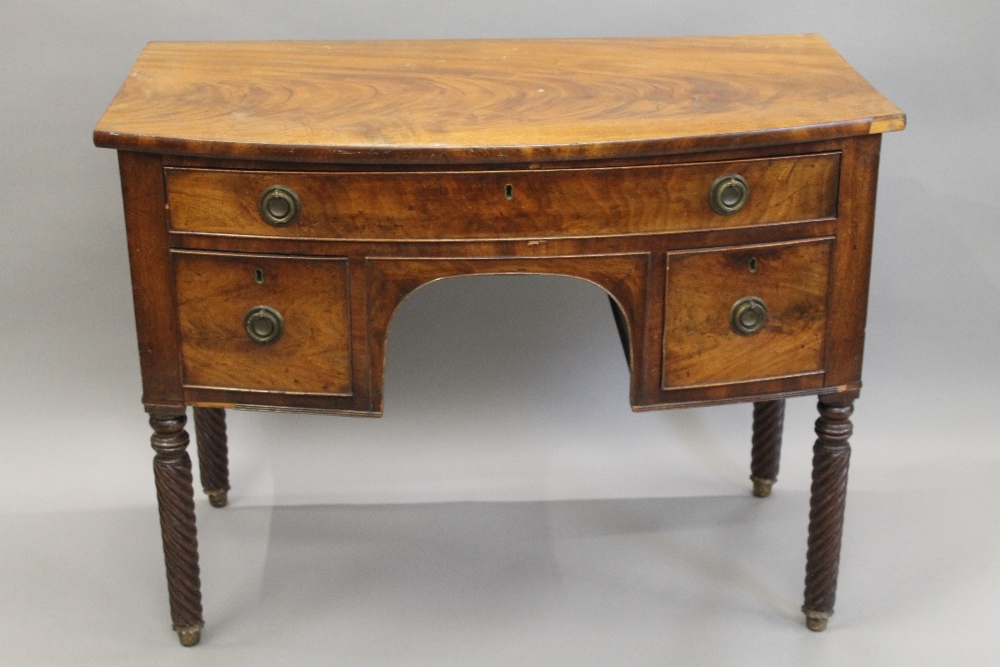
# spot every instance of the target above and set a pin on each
(282, 198)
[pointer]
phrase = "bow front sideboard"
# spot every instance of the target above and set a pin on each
(282, 198)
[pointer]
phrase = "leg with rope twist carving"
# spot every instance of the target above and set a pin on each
(175, 494)
(768, 422)
(831, 455)
(213, 454)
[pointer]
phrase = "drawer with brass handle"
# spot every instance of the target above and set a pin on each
(745, 313)
(264, 323)
(504, 204)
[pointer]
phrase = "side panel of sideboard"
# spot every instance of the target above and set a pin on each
(152, 278)
(852, 259)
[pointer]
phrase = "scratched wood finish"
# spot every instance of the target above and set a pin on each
(455, 101)
(214, 293)
(700, 346)
(523, 247)
(485, 205)
(749, 152)
(769, 389)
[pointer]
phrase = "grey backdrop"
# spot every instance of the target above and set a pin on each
(508, 509)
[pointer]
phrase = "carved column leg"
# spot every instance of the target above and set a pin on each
(213, 454)
(175, 493)
(768, 422)
(831, 455)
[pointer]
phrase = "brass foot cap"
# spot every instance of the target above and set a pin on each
(816, 623)
(218, 498)
(189, 636)
(762, 487)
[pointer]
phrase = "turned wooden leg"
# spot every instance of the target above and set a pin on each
(213, 454)
(768, 421)
(175, 494)
(831, 455)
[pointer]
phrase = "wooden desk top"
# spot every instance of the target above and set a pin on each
(476, 101)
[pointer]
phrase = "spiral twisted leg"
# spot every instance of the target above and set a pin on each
(174, 491)
(831, 455)
(768, 422)
(213, 454)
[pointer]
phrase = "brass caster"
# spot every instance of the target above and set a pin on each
(762, 487)
(816, 620)
(189, 636)
(218, 497)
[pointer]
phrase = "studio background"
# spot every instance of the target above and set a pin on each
(509, 508)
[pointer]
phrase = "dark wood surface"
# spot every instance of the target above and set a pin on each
(213, 454)
(765, 453)
(175, 497)
(852, 260)
(648, 388)
(407, 206)
(422, 161)
(444, 101)
(215, 291)
(828, 497)
(701, 348)
(152, 278)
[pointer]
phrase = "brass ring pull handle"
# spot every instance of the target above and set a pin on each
(264, 324)
(749, 315)
(729, 194)
(279, 205)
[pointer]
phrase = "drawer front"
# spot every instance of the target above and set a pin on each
(745, 313)
(264, 323)
(518, 204)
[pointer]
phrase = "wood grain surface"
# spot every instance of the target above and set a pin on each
(214, 293)
(700, 346)
(852, 261)
(455, 101)
(504, 204)
(152, 278)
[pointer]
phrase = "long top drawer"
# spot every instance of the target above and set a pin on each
(500, 204)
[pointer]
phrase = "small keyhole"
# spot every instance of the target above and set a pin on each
(753, 265)
(258, 276)
(508, 191)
